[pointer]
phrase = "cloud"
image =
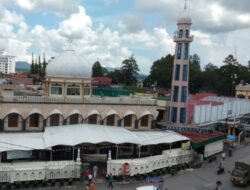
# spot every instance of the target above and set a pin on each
(209, 16)
(64, 7)
(77, 25)
(131, 23)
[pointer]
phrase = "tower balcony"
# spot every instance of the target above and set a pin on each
(184, 39)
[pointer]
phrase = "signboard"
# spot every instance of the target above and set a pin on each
(94, 157)
(19, 154)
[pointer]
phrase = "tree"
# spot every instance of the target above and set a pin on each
(129, 70)
(97, 70)
(161, 72)
(194, 74)
(230, 60)
(116, 76)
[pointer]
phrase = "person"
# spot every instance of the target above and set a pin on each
(218, 185)
(110, 180)
(223, 156)
(95, 170)
(92, 186)
(90, 178)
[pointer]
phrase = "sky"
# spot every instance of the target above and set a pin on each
(110, 31)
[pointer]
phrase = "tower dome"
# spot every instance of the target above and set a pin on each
(68, 65)
(184, 17)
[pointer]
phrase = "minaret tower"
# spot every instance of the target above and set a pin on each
(180, 78)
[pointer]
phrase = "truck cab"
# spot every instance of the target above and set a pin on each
(241, 172)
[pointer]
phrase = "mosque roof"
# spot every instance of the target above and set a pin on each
(68, 65)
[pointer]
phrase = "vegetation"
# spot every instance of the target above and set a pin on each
(219, 80)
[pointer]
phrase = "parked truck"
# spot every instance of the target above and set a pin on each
(241, 172)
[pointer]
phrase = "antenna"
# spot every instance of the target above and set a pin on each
(185, 6)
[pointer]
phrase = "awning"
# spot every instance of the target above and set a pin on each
(72, 135)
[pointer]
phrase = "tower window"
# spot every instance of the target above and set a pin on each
(185, 72)
(177, 72)
(183, 94)
(186, 51)
(179, 47)
(176, 92)
(187, 34)
(180, 34)
(174, 114)
(183, 115)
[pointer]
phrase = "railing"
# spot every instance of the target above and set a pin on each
(145, 165)
(33, 171)
(89, 100)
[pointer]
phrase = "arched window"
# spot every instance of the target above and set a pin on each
(34, 120)
(55, 119)
(13, 120)
(110, 120)
(144, 121)
(128, 121)
(56, 89)
(92, 119)
(73, 119)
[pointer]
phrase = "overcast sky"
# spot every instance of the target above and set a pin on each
(111, 30)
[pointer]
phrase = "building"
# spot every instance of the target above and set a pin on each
(180, 79)
(102, 81)
(243, 91)
(7, 63)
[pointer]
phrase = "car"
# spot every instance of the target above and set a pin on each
(149, 187)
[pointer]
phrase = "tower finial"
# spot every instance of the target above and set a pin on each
(185, 6)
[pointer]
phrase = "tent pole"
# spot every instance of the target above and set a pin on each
(117, 150)
(51, 151)
(139, 151)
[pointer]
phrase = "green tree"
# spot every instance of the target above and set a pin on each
(161, 72)
(129, 70)
(97, 70)
(209, 78)
(116, 76)
(194, 74)
(230, 60)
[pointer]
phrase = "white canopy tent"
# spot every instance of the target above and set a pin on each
(72, 135)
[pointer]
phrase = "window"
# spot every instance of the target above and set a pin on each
(86, 91)
(180, 35)
(183, 94)
(54, 120)
(73, 119)
(177, 72)
(13, 120)
(174, 114)
(110, 120)
(187, 33)
(179, 47)
(176, 93)
(56, 89)
(34, 120)
(186, 51)
(183, 115)
(185, 72)
(144, 121)
(92, 119)
(73, 90)
(127, 121)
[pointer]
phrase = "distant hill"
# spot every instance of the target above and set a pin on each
(22, 66)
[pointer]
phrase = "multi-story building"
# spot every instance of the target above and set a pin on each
(7, 63)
